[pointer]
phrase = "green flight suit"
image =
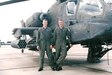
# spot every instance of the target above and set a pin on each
(61, 36)
(44, 42)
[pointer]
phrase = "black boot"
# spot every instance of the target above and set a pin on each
(59, 68)
(53, 68)
(40, 69)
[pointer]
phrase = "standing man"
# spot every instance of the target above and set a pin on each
(61, 36)
(44, 42)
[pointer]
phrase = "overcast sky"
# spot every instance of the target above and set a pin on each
(10, 15)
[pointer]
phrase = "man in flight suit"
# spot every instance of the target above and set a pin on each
(44, 42)
(61, 36)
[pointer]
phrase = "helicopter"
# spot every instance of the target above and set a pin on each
(88, 20)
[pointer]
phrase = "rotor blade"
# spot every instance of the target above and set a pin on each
(10, 2)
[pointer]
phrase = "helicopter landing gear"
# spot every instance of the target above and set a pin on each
(93, 52)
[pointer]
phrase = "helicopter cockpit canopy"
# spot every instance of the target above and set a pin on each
(91, 7)
(71, 7)
(108, 2)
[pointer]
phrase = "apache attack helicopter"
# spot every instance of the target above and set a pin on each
(90, 23)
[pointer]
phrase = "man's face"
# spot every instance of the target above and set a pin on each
(45, 23)
(61, 24)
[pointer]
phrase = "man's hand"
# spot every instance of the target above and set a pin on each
(51, 47)
(37, 47)
(71, 45)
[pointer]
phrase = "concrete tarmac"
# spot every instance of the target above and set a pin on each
(13, 62)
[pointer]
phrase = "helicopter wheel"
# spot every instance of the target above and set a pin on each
(93, 52)
(22, 50)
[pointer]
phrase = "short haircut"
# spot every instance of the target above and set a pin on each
(45, 20)
(59, 19)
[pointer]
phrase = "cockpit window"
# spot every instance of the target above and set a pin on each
(71, 8)
(91, 7)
